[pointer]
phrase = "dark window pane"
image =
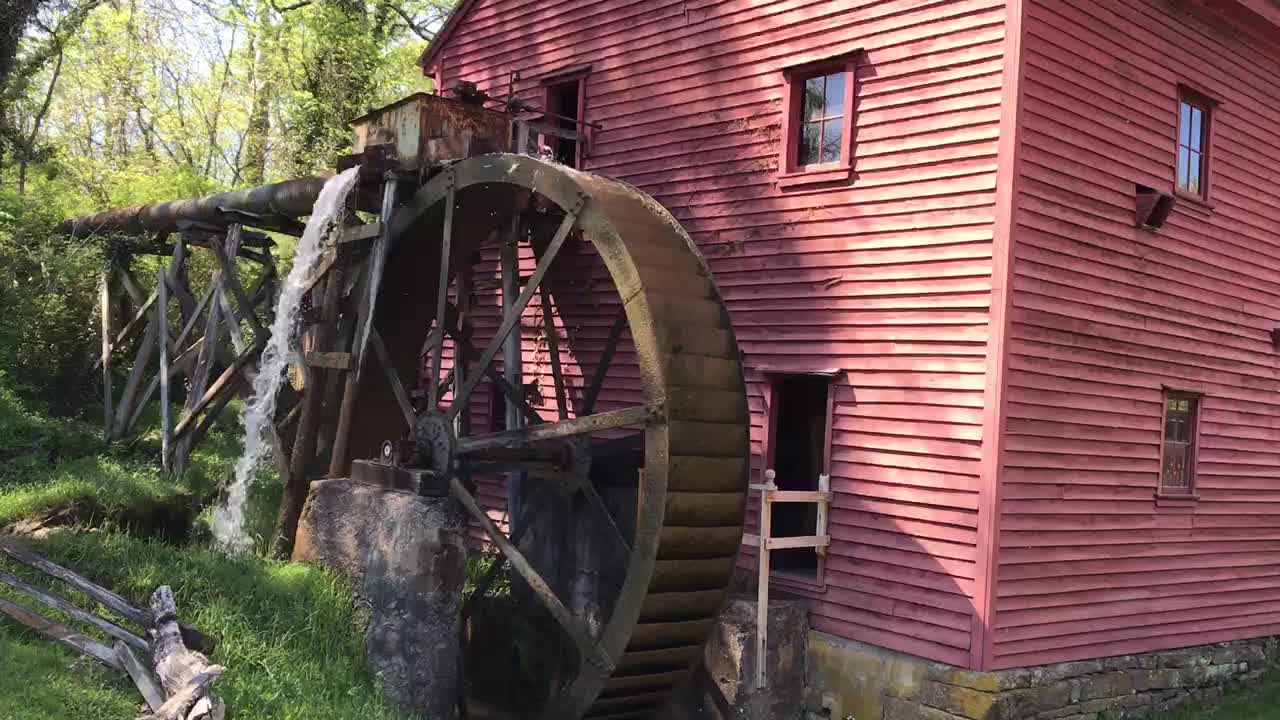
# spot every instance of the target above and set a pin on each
(809, 150)
(832, 133)
(835, 95)
(1197, 128)
(1184, 124)
(814, 98)
(1184, 168)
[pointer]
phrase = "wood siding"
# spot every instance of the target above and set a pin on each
(1105, 314)
(887, 275)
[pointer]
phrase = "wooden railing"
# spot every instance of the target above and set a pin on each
(770, 495)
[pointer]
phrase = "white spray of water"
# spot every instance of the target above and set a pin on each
(228, 519)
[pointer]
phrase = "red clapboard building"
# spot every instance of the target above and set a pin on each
(1004, 269)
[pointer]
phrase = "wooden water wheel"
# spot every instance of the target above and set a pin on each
(628, 475)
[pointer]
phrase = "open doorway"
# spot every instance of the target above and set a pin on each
(798, 455)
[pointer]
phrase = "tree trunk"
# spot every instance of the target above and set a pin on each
(254, 170)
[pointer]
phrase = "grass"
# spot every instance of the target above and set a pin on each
(50, 464)
(290, 636)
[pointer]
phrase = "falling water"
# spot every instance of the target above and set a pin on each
(228, 519)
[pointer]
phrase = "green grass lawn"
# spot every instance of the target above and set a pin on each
(289, 635)
(1261, 703)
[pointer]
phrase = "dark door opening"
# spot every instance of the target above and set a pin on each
(562, 100)
(799, 457)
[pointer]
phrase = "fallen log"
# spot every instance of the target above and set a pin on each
(61, 633)
(185, 675)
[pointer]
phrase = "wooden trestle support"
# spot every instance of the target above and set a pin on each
(627, 485)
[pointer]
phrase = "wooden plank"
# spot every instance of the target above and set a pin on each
(162, 319)
(143, 678)
(179, 365)
(130, 284)
(62, 634)
(824, 510)
(140, 362)
(63, 605)
(806, 541)
(626, 417)
(762, 583)
(114, 602)
(442, 291)
(365, 307)
(104, 360)
(328, 360)
(137, 321)
(553, 349)
(358, 233)
(232, 280)
(223, 385)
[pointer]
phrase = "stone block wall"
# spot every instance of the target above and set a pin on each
(891, 686)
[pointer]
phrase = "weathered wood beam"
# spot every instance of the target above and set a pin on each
(162, 318)
(177, 366)
(62, 634)
(58, 603)
(114, 602)
(184, 674)
(143, 679)
(637, 415)
(223, 384)
(104, 360)
(140, 362)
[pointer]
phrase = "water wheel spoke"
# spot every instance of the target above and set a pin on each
(553, 349)
(626, 417)
(610, 348)
(512, 317)
(591, 651)
(442, 292)
(597, 502)
(511, 392)
(397, 387)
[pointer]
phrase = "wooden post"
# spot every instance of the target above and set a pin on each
(762, 589)
(364, 321)
(130, 394)
(162, 318)
(304, 444)
(107, 394)
(210, 348)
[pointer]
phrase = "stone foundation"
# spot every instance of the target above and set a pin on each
(869, 683)
(408, 557)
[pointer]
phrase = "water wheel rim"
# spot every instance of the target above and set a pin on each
(603, 206)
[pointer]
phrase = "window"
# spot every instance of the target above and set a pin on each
(564, 112)
(1194, 116)
(817, 123)
(1178, 456)
(822, 121)
(800, 436)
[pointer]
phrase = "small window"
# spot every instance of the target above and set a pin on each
(798, 455)
(818, 121)
(1178, 457)
(564, 105)
(822, 121)
(1194, 115)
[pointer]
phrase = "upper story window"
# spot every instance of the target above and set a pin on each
(818, 119)
(1178, 454)
(1195, 113)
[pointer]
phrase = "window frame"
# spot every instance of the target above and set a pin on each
(1209, 107)
(564, 77)
(773, 378)
(790, 173)
(1193, 447)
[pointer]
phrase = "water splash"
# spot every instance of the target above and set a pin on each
(228, 519)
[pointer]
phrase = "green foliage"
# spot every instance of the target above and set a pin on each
(49, 294)
(289, 636)
(1261, 703)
